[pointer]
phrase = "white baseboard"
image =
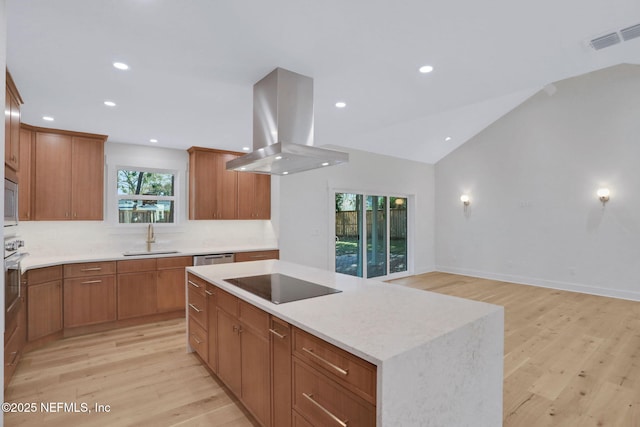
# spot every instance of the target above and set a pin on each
(543, 283)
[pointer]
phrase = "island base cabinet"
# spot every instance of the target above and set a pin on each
(322, 402)
(255, 374)
(280, 342)
(229, 363)
(89, 300)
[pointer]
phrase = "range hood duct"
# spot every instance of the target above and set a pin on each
(283, 128)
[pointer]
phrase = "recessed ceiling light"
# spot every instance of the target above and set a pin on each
(448, 138)
(325, 164)
(245, 148)
(153, 140)
(120, 65)
(285, 173)
(341, 104)
(426, 69)
(109, 103)
(47, 118)
(243, 169)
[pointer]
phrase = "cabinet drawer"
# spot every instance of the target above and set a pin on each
(227, 302)
(198, 339)
(196, 284)
(254, 318)
(89, 269)
(350, 371)
(175, 262)
(298, 421)
(137, 265)
(197, 307)
(324, 403)
(45, 274)
(12, 353)
(257, 255)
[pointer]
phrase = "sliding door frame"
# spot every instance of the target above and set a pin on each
(411, 202)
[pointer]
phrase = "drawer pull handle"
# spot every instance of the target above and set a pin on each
(325, 361)
(193, 284)
(259, 256)
(195, 308)
(89, 282)
(15, 357)
(195, 338)
(276, 333)
(310, 398)
(91, 269)
(208, 293)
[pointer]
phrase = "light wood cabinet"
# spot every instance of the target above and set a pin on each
(44, 302)
(216, 193)
(12, 124)
(89, 293)
(280, 346)
(137, 288)
(254, 196)
(256, 255)
(25, 171)
(198, 316)
(170, 285)
(15, 334)
(68, 178)
(283, 375)
(212, 189)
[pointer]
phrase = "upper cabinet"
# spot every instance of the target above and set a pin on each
(12, 124)
(66, 175)
(212, 188)
(216, 193)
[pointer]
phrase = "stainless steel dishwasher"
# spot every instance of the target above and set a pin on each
(213, 259)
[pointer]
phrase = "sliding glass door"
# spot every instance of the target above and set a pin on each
(371, 234)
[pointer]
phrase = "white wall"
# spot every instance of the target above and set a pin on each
(532, 177)
(307, 206)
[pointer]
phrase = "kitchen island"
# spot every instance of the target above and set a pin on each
(437, 359)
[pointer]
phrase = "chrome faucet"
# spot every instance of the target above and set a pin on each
(151, 237)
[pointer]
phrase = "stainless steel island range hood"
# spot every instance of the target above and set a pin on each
(283, 128)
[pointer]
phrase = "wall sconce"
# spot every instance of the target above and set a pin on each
(603, 195)
(465, 200)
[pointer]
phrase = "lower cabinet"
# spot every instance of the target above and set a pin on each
(136, 288)
(283, 376)
(170, 283)
(89, 293)
(44, 302)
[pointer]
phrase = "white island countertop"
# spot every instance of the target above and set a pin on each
(439, 357)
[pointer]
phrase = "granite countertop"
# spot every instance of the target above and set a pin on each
(373, 320)
(37, 260)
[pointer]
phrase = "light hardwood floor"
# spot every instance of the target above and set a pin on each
(570, 360)
(142, 372)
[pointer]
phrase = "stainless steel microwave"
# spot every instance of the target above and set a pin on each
(10, 203)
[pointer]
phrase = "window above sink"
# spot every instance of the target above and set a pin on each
(146, 196)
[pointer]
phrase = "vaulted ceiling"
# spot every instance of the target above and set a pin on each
(193, 64)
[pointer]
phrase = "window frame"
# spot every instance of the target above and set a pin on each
(175, 198)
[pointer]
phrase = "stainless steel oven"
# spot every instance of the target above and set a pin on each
(12, 259)
(10, 203)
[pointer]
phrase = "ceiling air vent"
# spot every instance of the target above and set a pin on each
(631, 32)
(605, 41)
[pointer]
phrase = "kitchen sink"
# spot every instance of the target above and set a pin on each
(149, 253)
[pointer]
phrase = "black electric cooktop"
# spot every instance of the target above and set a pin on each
(279, 288)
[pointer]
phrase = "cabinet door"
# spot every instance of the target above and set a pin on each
(280, 339)
(24, 175)
(89, 300)
(254, 196)
(201, 185)
(229, 364)
(256, 387)
(87, 178)
(212, 329)
(136, 294)
(7, 126)
(44, 313)
(226, 188)
(170, 290)
(12, 137)
(52, 184)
